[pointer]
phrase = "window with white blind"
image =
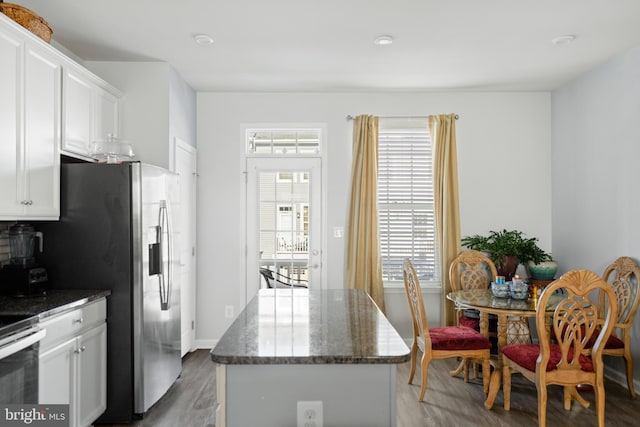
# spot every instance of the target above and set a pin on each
(405, 198)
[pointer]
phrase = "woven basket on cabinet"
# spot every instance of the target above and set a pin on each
(27, 19)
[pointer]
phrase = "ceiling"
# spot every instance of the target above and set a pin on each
(327, 45)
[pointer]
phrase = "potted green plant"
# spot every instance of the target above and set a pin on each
(507, 249)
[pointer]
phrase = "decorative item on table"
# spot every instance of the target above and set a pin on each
(543, 270)
(500, 290)
(518, 288)
(27, 19)
(111, 150)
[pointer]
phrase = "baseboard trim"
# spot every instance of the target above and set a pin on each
(205, 344)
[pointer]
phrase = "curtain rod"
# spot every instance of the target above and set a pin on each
(350, 117)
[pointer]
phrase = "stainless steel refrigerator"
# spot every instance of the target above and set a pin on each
(115, 232)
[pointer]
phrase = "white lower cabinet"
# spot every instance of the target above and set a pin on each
(73, 363)
(56, 374)
(92, 375)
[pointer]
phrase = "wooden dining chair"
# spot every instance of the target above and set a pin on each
(623, 276)
(442, 342)
(574, 323)
(471, 269)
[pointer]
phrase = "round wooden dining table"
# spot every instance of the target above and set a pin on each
(512, 315)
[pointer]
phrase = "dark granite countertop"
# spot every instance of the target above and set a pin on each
(300, 326)
(54, 302)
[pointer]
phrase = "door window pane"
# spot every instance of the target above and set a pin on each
(284, 223)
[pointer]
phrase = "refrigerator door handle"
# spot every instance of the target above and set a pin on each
(165, 273)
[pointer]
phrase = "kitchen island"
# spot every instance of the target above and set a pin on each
(298, 345)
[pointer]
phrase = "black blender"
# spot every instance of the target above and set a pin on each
(23, 276)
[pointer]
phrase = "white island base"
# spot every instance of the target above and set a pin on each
(290, 346)
(267, 395)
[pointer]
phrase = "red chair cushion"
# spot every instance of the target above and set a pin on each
(457, 338)
(470, 322)
(612, 343)
(526, 355)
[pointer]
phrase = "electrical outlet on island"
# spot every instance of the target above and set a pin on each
(309, 413)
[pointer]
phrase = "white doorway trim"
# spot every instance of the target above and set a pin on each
(184, 163)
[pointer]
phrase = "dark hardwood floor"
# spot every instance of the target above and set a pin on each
(190, 402)
(449, 401)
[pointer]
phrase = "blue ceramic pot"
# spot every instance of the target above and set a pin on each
(546, 270)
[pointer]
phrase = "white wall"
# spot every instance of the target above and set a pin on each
(596, 149)
(504, 162)
(182, 109)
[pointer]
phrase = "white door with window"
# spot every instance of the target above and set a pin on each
(284, 222)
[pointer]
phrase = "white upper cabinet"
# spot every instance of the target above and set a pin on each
(30, 83)
(106, 111)
(49, 105)
(42, 136)
(90, 111)
(77, 112)
(11, 52)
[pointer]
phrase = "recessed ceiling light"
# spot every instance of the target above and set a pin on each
(383, 40)
(203, 39)
(568, 38)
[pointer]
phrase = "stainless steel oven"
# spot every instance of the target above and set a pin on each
(19, 346)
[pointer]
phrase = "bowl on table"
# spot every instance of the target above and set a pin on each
(519, 290)
(500, 290)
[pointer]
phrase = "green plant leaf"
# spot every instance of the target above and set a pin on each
(498, 244)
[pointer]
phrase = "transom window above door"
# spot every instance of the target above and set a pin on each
(283, 142)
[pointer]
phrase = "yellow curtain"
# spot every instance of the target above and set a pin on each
(363, 262)
(445, 188)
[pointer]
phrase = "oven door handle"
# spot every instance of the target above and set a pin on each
(22, 343)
